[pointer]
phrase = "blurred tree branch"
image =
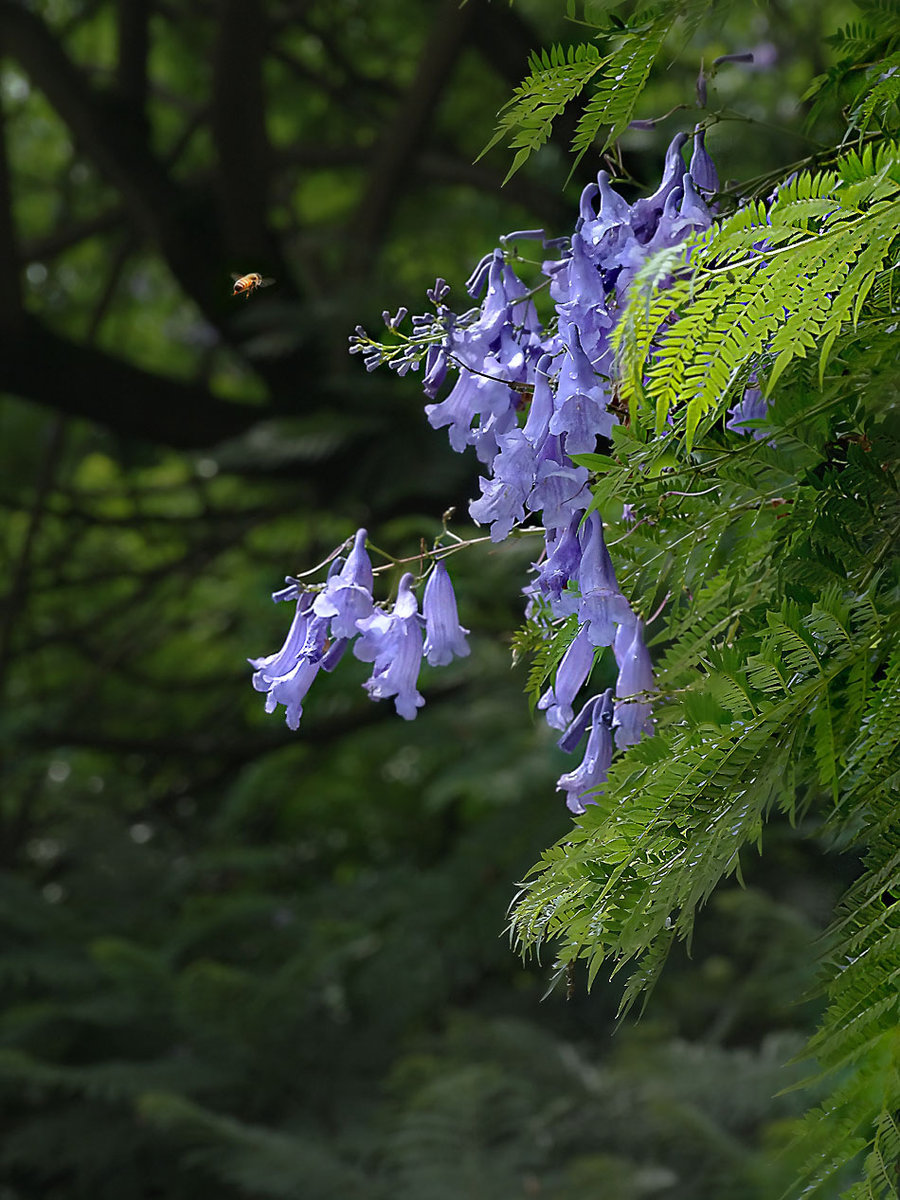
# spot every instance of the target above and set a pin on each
(11, 291)
(239, 133)
(219, 215)
(42, 366)
(133, 17)
(401, 138)
(113, 140)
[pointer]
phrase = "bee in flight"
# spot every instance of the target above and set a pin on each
(245, 284)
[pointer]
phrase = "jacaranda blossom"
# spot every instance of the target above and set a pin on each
(528, 400)
(632, 716)
(444, 636)
(290, 687)
(283, 660)
(584, 783)
(571, 674)
(392, 642)
(702, 167)
(752, 406)
(561, 564)
(347, 597)
(599, 603)
(580, 411)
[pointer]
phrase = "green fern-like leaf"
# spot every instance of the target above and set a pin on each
(776, 284)
(615, 96)
(860, 1033)
(556, 77)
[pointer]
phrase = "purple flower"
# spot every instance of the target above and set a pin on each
(562, 561)
(290, 687)
(614, 213)
(444, 636)
(472, 395)
(501, 505)
(293, 591)
(436, 362)
(571, 674)
(584, 783)
(632, 717)
(752, 406)
(347, 597)
(334, 654)
(538, 424)
(579, 291)
(623, 639)
(702, 169)
(684, 214)
(500, 351)
(283, 660)
(645, 214)
(600, 604)
(560, 487)
(580, 411)
(393, 643)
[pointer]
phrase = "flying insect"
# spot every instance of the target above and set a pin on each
(245, 284)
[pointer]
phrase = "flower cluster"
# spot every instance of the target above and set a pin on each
(528, 398)
(326, 621)
(506, 363)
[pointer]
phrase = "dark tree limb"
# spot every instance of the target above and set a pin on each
(162, 211)
(239, 132)
(402, 138)
(70, 234)
(67, 235)
(78, 380)
(133, 19)
(11, 289)
(15, 598)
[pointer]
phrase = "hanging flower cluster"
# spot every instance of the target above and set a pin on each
(526, 398)
(326, 621)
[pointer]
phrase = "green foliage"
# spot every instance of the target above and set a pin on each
(771, 565)
(238, 963)
(859, 1040)
(865, 73)
(778, 563)
(559, 75)
(768, 285)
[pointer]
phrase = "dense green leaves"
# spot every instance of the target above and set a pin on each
(560, 75)
(770, 284)
(769, 565)
(237, 962)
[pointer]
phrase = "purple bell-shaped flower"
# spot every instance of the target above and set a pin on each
(571, 674)
(583, 785)
(632, 716)
(392, 642)
(444, 636)
(347, 597)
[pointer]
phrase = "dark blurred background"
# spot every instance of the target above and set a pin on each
(235, 961)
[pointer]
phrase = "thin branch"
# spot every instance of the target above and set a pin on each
(11, 289)
(133, 20)
(239, 132)
(21, 571)
(58, 241)
(78, 380)
(401, 139)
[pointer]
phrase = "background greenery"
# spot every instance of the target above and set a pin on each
(236, 961)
